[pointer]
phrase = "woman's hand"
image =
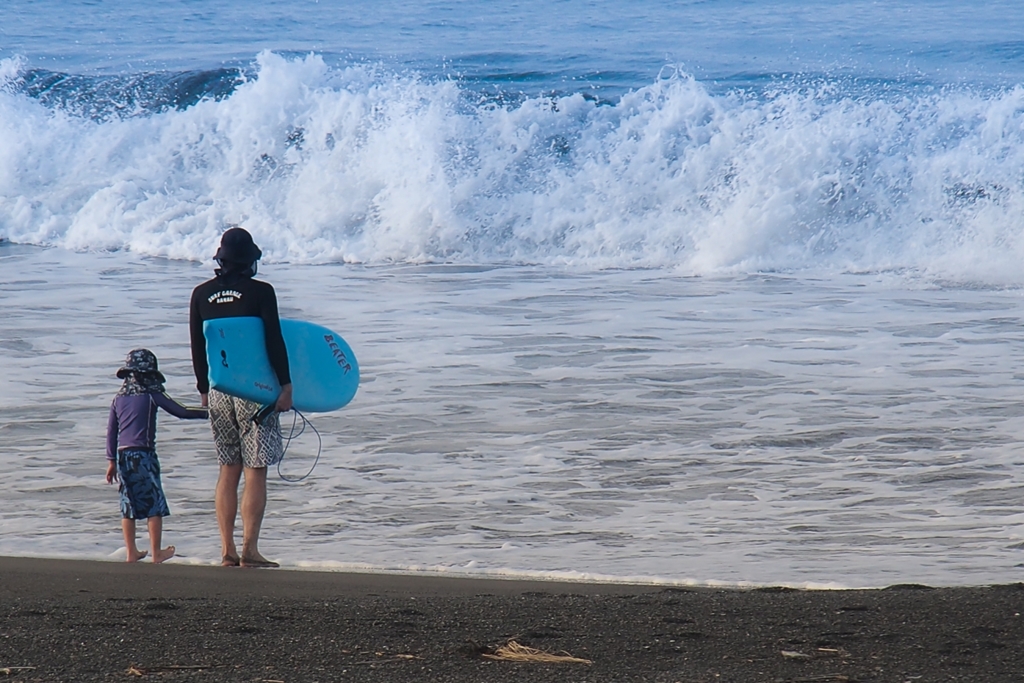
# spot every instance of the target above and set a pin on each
(284, 401)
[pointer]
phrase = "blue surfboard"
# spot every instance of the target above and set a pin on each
(324, 371)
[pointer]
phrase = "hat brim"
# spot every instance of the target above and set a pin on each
(124, 372)
(251, 255)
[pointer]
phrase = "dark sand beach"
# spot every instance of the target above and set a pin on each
(98, 621)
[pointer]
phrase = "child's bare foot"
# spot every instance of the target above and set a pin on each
(137, 555)
(163, 555)
(229, 561)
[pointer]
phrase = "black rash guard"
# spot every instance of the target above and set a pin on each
(235, 296)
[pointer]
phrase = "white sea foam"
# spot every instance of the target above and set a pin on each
(359, 164)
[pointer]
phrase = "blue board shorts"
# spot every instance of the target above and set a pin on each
(142, 495)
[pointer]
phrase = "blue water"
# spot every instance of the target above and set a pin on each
(536, 46)
(700, 291)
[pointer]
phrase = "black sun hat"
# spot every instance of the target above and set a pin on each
(236, 246)
(141, 362)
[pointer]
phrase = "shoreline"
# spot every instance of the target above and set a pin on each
(498, 574)
(84, 620)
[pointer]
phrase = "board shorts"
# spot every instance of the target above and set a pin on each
(238, 439)
(142, 495)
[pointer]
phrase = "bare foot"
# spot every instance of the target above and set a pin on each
(163, 555)
(258, 562)
(229, 561)
(137, 555)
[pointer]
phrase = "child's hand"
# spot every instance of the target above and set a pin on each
(111, 471)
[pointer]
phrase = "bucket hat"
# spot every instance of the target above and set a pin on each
(236, 246)
(140, 361)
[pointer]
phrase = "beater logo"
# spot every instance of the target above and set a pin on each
(339, 355)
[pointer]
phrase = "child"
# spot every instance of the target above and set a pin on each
(131, 441)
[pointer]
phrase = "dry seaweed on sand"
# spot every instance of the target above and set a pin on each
(514, 652)
(134, 670)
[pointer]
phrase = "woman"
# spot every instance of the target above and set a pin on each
(243, 445)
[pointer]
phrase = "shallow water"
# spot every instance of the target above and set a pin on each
(700, 291)
(859, 430)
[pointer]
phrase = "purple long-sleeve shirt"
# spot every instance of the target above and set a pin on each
(132, 422)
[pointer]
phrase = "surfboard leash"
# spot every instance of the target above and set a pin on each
(292, 434)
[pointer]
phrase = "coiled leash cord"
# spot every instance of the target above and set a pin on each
(292, 434)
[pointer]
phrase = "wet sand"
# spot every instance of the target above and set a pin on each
(68, 620)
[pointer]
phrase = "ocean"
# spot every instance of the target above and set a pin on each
(700, 293)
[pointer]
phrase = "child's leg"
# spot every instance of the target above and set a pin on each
(156, 530)
(128, 527)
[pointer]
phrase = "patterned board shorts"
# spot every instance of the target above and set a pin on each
(238, 439)
(142, 495)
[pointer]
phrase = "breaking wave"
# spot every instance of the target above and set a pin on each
(364, 165)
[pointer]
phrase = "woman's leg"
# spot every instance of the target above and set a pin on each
(227, 510)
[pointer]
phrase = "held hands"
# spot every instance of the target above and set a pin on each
(111, 471)
(284, 401)
(283, 404)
